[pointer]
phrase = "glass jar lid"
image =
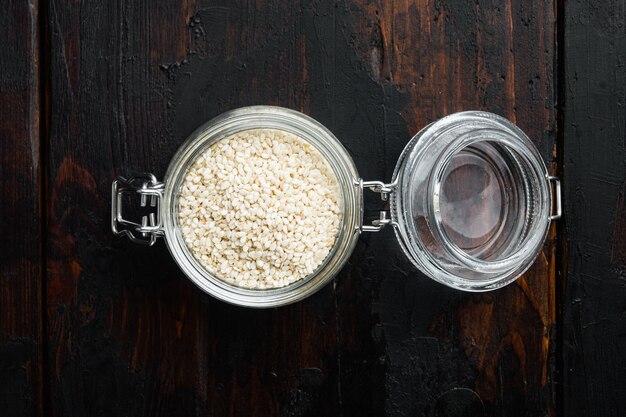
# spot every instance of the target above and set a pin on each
(471, 201)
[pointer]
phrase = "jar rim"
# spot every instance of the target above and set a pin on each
(483, 265)
(497, 273)
(271, 117)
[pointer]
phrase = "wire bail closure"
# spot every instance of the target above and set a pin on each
(151, 193)
(384, 190)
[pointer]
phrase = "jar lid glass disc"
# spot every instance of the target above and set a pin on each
(478, 200)
(472, 201)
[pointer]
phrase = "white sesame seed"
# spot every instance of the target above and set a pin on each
(260, 209)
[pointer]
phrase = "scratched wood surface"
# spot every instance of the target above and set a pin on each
(130, 335)
(594, 128)
(20, 224)
(125, 333)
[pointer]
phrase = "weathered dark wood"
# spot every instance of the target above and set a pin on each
(445, 351)
(130, 335)
(20, 225)
(594, 323)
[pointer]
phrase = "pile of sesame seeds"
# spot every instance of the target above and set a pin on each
(260, 209)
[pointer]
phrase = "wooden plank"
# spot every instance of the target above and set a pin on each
(130, 335)
(20, 220)
(445, 351)
(594, 324)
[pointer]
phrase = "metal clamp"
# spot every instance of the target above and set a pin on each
(151, 192)
(557, 198)
(378, 187)
(384, 190)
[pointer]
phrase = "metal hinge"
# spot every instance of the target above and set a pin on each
(150, 192)
(384, 190)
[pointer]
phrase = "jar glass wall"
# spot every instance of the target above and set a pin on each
(251, 118)
(472, 202)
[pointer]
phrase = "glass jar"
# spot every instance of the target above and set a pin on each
(470, 202)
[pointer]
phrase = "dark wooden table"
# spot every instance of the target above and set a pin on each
(91, 325)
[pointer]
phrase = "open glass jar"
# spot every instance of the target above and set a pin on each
(470, 202)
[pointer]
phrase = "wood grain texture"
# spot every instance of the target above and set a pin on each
(20, 225)
(448, 352)
(594, 324)
(130, 335)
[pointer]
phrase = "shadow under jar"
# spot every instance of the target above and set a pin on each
(470, 202)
